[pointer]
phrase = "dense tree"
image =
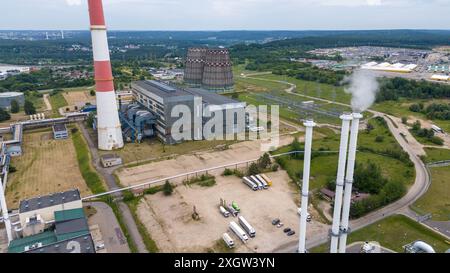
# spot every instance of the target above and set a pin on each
(15, 107)
(4, 115)
(29, 108)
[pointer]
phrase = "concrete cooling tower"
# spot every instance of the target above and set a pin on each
(210, 68)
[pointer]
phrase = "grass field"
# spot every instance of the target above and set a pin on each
(57, 101)
(324, 167)
(434, 155)
(394, 232)
(46, 166)
(79, 97)
(436, 200)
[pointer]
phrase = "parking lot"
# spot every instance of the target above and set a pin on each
(170, 223)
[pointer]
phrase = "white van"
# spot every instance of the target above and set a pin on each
(227, 239)
(224, 212)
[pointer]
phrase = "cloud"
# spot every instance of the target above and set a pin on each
(73, 2)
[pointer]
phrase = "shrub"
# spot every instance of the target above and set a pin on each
(15, 107)
(4, 115)
(29, 108)
(167, 188)
(253, 169)
(404, 120)
(264, 161)
(379, 139)
(274, 167)
(92, 93)
(227, 172)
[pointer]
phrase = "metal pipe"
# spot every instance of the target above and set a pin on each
(5, 215)
(349, 181)
(346, 118)
(309, 125)
(108, 125)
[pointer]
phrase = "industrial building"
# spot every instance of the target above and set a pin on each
(160, 98)
(60, 131)
(110, 160)
(209, 68)
(7, 97)
(387, 67)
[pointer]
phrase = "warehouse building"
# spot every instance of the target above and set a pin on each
(160, 99)
(7, 97)
(60, 131)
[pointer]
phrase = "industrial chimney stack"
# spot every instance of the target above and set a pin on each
(108, 124)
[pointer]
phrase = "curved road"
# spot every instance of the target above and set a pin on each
(420, 186)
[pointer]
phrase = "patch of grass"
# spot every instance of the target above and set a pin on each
(434, 154)
(205, 180)
(436, 199)
(57, 101)
(90, 176)
(394, 232)
(150, 244)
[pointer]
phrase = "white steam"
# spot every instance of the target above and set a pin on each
(363, 86)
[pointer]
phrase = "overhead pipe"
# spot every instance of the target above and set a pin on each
(346, 118)
(309, 125)
(349, 182)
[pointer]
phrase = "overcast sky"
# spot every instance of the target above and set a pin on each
(230, 14)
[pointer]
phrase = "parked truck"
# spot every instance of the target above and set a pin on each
(227, 239)
(238, 231)
(250, 183)
(232, 210)
(264, 183)
(235, 206)
(246, 226)
(268, 180)
(257, 182)
(224, 212)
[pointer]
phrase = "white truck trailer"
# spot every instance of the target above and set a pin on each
(257, 182)
(246, 226)
(232, 210)
(228, 240)
(264, 183)
(250, 183)
(224, 212)
(238, 231)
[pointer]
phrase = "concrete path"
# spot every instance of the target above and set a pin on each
(47, 102)
(111, 183)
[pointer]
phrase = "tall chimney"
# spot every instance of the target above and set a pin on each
(309, 124)
(5, 215)
(346, 118)
(108, 124)
(349, 182)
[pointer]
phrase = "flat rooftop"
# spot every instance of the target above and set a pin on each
(211, 97)
(59, 127)
(49, 200)
(85, 243)
(161, 89)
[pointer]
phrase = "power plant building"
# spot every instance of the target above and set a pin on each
(210, 68)
(160, 99)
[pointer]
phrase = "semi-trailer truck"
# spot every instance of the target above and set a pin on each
(250, 183)
(264, 183)
(248, 228)
(232, 210)
(254, 179)
(238, 231)
(268, 180)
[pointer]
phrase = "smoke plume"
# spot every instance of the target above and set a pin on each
(363, 86)
(73, 2)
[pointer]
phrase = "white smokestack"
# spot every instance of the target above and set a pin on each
(309, 125)
(5, 213)
(349, 181)
(363, 87)
(346, 118)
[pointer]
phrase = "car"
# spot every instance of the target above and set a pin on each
(280, 224)
(286, 230)
(290, 233)
(275, 221)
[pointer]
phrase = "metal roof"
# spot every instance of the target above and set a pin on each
(160, 89)
(49, 200)
(70, 214)
(81, 244)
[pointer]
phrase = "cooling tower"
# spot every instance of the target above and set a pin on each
(108, 124)
(209, 68)
(195, 60)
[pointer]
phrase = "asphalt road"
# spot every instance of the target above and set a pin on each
(111, 183)
(420, 186)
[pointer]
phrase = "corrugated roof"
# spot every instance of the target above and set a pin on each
(71, 214)
(45, 238)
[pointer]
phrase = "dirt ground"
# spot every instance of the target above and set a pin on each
(238, 152)
(170, 223)
(78, 98)
(46, 166)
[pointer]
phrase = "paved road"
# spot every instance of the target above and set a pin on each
(420, 186)
(111, 183)
(112, 235)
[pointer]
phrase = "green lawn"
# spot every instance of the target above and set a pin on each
(436, 200)
(57, 101)
(434, 154)
(394, 232)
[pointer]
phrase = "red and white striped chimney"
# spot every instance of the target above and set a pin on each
(108, 124)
